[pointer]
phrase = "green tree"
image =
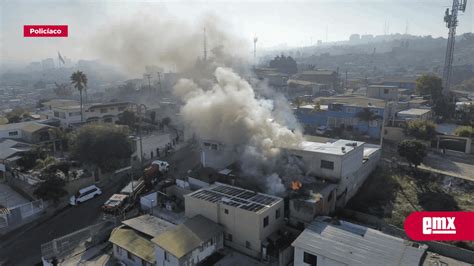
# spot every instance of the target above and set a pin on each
(16, 115)
(79, 80)
(51, 189)
(29, 159)
(422, 129)
(413, 150)
(60, 136)
(104, 146)
(368, 116)
(464, 131)
(128, 118)
(430, 85)
(442, 107)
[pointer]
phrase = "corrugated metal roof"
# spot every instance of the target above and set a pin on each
(149, 225)
(131, 241)
(352, 244)
(188, 236)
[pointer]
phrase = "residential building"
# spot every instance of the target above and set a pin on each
(70, 115)
(326, 77)
(10, 151)
(298, 88)
(342, 112)
(384, 92)
(415, 113)
(132, 241)
(248, 217)
(402, 84)
(32, 132)
(330, 242)
(188, 243)
(346, 163)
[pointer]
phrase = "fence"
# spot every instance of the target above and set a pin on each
(89, 236)
(16, 215)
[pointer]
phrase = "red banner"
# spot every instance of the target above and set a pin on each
(45, 31)
(440, 226)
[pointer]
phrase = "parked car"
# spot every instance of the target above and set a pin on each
(163, 166)
(85, 194)
(321, 130)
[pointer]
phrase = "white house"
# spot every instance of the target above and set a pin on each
(188, 243)
(384, 92)
(337, 243)
(132, 241)
(70, 115)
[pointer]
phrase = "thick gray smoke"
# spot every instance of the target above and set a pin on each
(232, 113)
(167, 42)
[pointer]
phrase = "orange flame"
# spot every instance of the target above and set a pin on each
(296, 185)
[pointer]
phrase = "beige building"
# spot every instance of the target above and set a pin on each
(248, 217)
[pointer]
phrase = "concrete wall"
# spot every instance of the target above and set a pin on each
(121, 255)
(244, 226)
(381, 92)
(150, 145)
(193, 257)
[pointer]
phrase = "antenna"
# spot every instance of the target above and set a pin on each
(148, 76)
(451, 23)
(205, 44)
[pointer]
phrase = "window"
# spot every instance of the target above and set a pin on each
(214, 147)
(56, 114)
(277, 214)
(229, 237)
(265, 221)
(226, 211)
(13, 133)
(129, 255)
(327, 164)
(247, 244)
(385, 91)
(103, 110)
(167, 256)
(373, 123)
(310, 259)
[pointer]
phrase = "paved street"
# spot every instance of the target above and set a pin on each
(24, 247)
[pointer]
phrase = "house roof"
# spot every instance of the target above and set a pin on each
(236, 197)
(318, 72)
(188, 236)
(149, 225)
(349, 100)
(9, 147)
(136, 244)
(29, 126)
(33, 127)
(352, 244)
(414, 111)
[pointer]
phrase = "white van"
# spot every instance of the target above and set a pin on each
(84, 194)
(162, 165)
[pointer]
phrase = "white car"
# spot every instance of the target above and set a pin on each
(321, 130)
(162, 165)
(85, 194)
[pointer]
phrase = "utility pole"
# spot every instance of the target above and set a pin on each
(451, 20)
(140, 111)
(159, 80)
(148, 76)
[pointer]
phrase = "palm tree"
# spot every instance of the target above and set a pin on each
(79, 80)
(368, 116)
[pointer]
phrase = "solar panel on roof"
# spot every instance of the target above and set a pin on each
(236, 197)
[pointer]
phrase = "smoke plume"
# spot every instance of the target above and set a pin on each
(165, 41)
(232, 113)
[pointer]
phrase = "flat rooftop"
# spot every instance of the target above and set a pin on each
(334, 148)
(352, 100)
(414, 111)
(236, 197)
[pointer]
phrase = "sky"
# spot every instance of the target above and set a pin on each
(293, 23)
